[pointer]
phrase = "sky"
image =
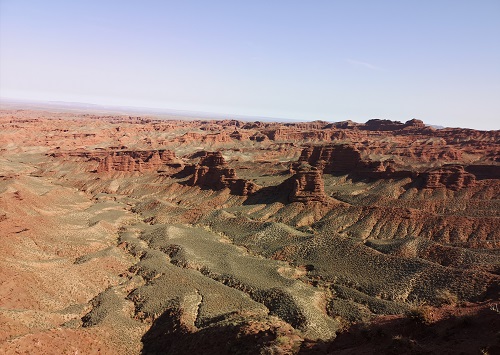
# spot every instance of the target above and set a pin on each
(334, 60)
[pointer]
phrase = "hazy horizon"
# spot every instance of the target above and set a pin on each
(325, 60)
(87, 107)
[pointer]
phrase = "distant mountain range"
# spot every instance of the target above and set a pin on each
(162, 113)
(8, 103)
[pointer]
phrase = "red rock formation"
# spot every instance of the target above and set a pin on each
(239, 135)
(307, 186)
(348, 159)
(313, 125)
(452, 177)
(211, 138)
(414, 123)
(429, 153)
(344, 124)
(337, 159)
(213, 173)
(258, 137)
(388, 125)
(382, 125)
(254, 125)
(390, 172)
(131, 161)
(241, 187)
(294, 134)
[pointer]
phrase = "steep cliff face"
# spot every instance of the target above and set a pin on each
(453, 177)
(241, 187)
(388, 125)
(337, 159)
(213, 159)
(213, 173)
(307, 186)
(351, 158)
(347, 159)
(239, 135)
(131, 161)
(210, 138)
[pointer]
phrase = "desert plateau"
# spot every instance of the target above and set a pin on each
(138, 235)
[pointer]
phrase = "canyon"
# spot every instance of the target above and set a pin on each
(146, 235)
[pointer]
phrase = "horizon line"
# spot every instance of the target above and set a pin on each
(149, 110)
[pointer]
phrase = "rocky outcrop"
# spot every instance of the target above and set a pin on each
(239, 135)
(453, 177)
(428, 153)
(388, 125)
(258, 137)
(414, 123)
(294, 134)
(347, 159)
(308, 125)
(338, 159)
(213, 173)
(306, 185)
(344, 124)
(389, 171)
(137, 161)
(213, 159)
(382, 125)
(210, 138)
(330, 158)
(241, 187)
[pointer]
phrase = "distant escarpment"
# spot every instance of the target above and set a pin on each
(139, 160)
(388, 125)
(212, 172)
(348, 159)
(210, 138)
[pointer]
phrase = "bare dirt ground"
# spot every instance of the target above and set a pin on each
(129, 235)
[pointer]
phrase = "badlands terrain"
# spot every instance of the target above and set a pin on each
(135, 235)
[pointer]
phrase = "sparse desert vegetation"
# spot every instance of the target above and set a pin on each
(138, 235)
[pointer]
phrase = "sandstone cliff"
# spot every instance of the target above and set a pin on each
(213, 173)
(453, 177)
(347, 159)
(341, 158)
(305, 185)
(141, 160)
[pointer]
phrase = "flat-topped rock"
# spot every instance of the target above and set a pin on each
(131, 161)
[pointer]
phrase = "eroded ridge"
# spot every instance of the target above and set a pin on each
(169, 236)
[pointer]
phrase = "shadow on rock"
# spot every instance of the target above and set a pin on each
(236, 335)
(267, 195)
(425, 331)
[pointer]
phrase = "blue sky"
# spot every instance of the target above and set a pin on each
(438, 60)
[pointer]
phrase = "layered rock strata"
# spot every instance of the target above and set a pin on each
(305, 185)
(212, 172)
(347, 159)
(341, 158)
(453, 177)
(132, 161)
